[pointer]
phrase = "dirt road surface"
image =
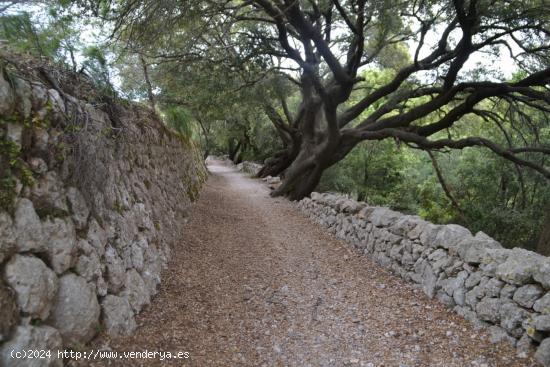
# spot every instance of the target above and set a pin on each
(255, 283)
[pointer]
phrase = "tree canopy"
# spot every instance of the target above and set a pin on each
(382, 99)
(322, 46)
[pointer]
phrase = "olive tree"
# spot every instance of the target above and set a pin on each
(323, 46)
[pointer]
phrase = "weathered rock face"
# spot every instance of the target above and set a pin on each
(118, 317)
(89, 208)
(76, 310)
(507, 291)
(249, 167)
(10, 313)
(135, 290)
(7, 236)
(35, 338)
(60, 244)
(35, 285)
(28, 227)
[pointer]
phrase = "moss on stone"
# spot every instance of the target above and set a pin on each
(11, 167)
(118, 207)
(9, 151)
(26, 175)
(7, 193)
(59, 153)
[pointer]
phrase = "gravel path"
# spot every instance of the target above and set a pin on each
(255, 283)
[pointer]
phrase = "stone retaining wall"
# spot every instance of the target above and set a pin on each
(505, 290)
(90, 204)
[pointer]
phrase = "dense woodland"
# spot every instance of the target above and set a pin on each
(434, 107)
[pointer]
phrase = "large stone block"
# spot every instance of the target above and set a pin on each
(152, 269)
(404, 224)
(540, 322)
(7, 237)
(521, 266)
(76, 310)
(37, 165)
(541, 273)
(383, 217)
(48, 195)
(88, 266)
(78, 207)
(493, 287)
(429, 233)
(116, 273)
(23, 95)
(488, 309)
(417, 229)
(135, 290)
(60, 243)
(473, 280)
(133, 254)
(351, 206)
(450, 235)
(35, 285)
(9, 316)
(512, 317)
(97, 237)
(476, 250)
(118, 316)
(543, 304)
(250, 167)
(454, 284)
(429, 280)
(543, 353)
(143, 218)
(527, 295)
(28, 227)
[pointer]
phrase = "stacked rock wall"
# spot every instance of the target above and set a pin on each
(92, 197)
(505, 290)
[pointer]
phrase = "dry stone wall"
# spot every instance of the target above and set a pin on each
(504, 290)
(92, 197)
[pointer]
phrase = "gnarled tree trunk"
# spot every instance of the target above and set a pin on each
(321, 142)
(303, 175)
(233, 149)
(276, 165)
(320, 148)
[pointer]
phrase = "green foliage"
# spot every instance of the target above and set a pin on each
(505, 201)
(180, 121)
(55, 32)
(50, 34)
(97, 67)
(488, 189)
(7, 193)
(374, 172)
(11, 167)
(19, 31)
